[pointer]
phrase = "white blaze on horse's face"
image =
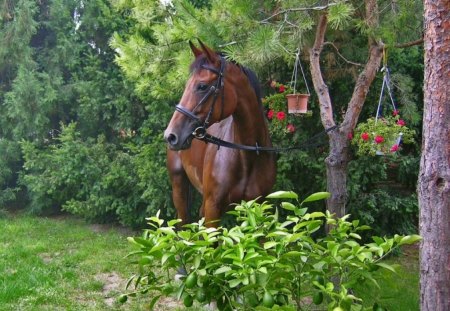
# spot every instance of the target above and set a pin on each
(196, 103)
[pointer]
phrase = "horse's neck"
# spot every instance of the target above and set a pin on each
(249, 124)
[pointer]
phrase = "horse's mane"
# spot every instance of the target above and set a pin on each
(252, 78)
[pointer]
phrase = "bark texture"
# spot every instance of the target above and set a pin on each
(339, 157)
(434, 176)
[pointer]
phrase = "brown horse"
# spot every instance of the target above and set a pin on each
(222, 99)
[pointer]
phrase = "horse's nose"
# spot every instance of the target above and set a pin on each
(171, 138)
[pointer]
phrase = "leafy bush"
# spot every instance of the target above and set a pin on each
(382, 193)
(90, 178)
(9, 165)
(263, 262)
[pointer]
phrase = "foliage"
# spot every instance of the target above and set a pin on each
(90, 178)
(381, 193)
(382, 136)
(264, 261)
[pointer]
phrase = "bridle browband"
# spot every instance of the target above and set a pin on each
(214, 90)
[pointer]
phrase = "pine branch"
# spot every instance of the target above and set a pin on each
(409, 44)
(290, 10)
(342, 56)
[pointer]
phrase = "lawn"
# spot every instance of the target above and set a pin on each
(65, 264)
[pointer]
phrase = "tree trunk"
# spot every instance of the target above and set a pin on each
(434, 176)
(337, 163)
(338, 158)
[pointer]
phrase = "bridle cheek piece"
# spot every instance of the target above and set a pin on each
(200, 130)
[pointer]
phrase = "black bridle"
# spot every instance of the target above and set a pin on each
(214, 89)
(200, 129)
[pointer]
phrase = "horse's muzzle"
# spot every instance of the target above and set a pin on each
(175, 143)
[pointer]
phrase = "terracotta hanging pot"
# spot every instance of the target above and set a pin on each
(297, 103)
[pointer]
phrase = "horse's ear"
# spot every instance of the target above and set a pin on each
(210, 54)
(197, 52)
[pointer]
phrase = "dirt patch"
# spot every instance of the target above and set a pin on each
(47, 258)
(104, 228)
(112, 283)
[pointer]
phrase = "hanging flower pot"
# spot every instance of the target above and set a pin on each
(382, 137)
(297, 103)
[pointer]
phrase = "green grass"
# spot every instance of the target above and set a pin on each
(66, 264)
(62, 264)
(398, 291)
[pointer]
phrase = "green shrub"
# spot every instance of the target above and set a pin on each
(382, 193)
(91, 178)
(263, 262)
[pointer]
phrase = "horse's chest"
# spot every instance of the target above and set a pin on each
(194, 174)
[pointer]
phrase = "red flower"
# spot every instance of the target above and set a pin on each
(350, 136)
(379, 139)
(365, 136)
(281, 115)
(394, 148)
(270, 114)
(401, 122)
(281, 89)
(395, 112)
(291, 128)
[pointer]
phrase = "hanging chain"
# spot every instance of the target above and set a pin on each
(297, 64)
(386, 83)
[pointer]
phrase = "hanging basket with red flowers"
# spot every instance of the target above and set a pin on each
(382, 136)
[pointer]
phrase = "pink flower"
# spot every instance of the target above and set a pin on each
(379, 139)
(281, 115)
(395, 112)
(270, 114)
(394, 148)
(281, 89)
(273, 84)
(291, 128)
(401, 122)
(350, 136)
(365, 136)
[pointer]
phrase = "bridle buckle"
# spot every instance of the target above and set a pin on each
(199, 132)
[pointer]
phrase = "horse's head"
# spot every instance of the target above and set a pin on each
(203, 100)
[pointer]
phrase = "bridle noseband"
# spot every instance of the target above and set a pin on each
(200, 130)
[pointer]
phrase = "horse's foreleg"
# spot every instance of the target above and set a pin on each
(180, 186)
(212, 213)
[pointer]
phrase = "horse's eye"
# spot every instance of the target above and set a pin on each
(202, 87)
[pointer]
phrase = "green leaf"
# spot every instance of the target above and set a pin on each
(173, 222)
(316, 197)
(386, 266)
(316, 215)
(233, 283)
(222, 270)
(153, 302)
(410, 239)
(288, 206)
(180, 291)
(270, 244)
(283, 195)
(167, 231)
